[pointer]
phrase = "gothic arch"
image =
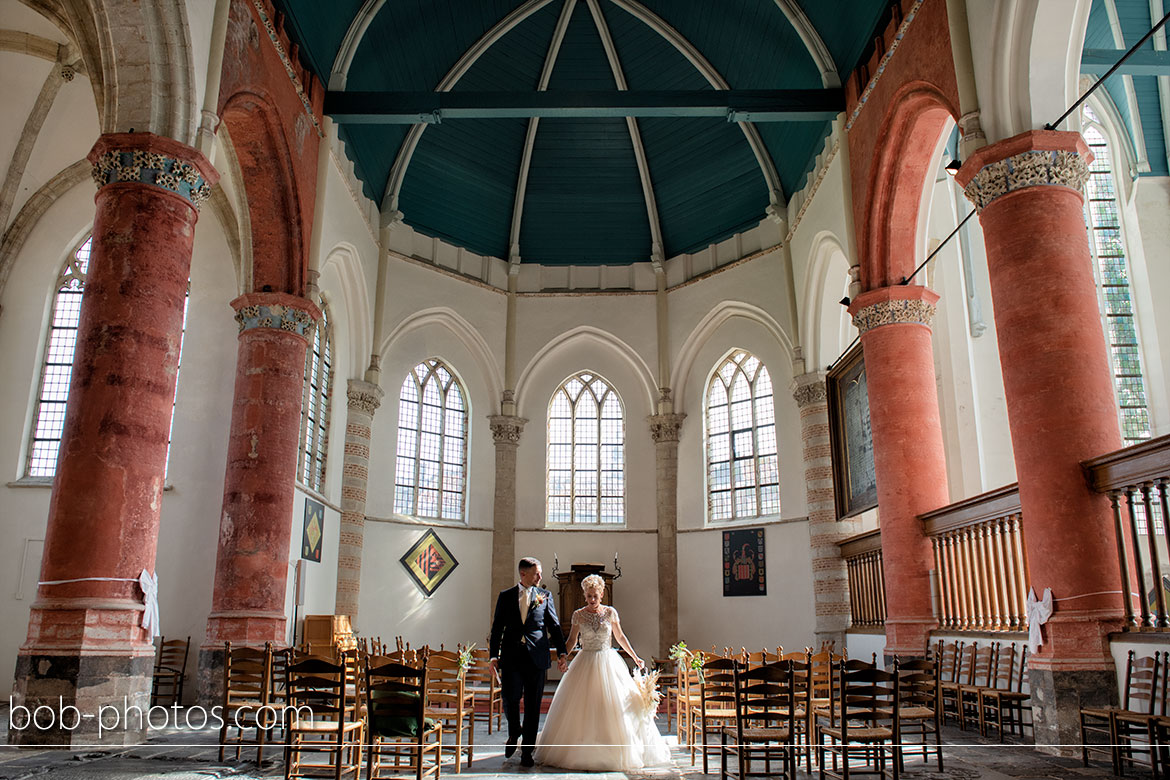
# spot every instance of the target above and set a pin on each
(826, 279)
(904, 158)
(345, 259)
(278, 262)
(702, 333)
(568, 341)
(467, 335)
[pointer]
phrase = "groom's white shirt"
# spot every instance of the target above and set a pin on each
(523, 602)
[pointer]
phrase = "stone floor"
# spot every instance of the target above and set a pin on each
(192, 755)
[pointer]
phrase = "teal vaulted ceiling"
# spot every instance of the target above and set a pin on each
(595, 189)
(1142, 105)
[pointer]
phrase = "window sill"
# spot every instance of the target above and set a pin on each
(746, 523)
(317, 496)
(47, 482)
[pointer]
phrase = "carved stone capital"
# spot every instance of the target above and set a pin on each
(279, 311)
(506, 429)
(896, 311)
(665, 427)
(144, 158)
(1036, 168)
(364, 396)
(810, 389)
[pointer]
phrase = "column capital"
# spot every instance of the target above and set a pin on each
(506, 429)
(154, 161)
(1037, 158)
(897, 305)
(809, 389)
(665, 427)
(279, 311)
(364, 396)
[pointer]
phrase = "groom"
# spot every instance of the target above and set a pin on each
(524, 627)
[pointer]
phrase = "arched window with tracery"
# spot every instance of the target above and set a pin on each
(743, 472)
(1113, 273)
(586, 460)
(430, 477)
(315, 405)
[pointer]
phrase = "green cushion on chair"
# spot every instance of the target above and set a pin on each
(396, 725)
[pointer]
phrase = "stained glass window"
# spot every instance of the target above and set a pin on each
(743, 469)
(586, 459)
(315, 405)
(430, 476)
(57, 367)
(1107, 245)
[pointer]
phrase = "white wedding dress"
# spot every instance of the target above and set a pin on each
(593, 722)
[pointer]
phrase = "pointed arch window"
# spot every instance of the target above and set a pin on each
(430, 477)
(57, 366)
(743, 472)
(1115, 294)
(586, 460)
(315, 405)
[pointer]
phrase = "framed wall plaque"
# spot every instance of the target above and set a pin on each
(744, 572)
(854, 478)
(314, 529)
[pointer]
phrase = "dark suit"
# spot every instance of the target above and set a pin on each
(523, 653)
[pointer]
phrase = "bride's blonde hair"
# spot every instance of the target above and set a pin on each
(593, 582)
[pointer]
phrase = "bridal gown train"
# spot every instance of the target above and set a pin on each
(593, 721)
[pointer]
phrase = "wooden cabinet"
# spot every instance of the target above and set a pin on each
(571, 597)
(327, 631)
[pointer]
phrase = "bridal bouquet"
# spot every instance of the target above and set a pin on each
(646, 695)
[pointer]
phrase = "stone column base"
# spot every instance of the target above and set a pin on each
(66, 695)
(1057, 699)
(209, 677)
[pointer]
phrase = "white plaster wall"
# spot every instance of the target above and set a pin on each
(1149, 246)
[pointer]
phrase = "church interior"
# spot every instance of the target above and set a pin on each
(808, 325)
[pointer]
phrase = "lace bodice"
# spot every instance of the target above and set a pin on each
(594, 629)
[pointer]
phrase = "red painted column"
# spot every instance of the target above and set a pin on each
(85, 639)
(251, 568)
(909, 459)
(1060, 401)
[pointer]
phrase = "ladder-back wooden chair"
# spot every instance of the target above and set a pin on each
(668, 682)
(979, 678)
(716, 704)
(323, 727)
(170, 671)
(400, 734)
(955, 675)
(1134, 729)
(481, 681)
(866, 699)
(765, 724)
(920, 708)
(247, 685)
(1005, 695)
(1138, 695)
(449, 702)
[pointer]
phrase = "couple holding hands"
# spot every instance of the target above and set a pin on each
(592, 722)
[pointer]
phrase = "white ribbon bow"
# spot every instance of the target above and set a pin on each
(1038, 613)
(149, 584)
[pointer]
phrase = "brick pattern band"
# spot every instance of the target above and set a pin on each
(894, 312)
(1037, 168)
(144, 167)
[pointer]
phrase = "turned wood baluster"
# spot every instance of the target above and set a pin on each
(1139, 570)
(1021, 568)
(1122, 558)
(985, 589)
(881, 591)
(1159, 618)
(936, 544)
(1008, 562)
(999, 577)
(854, 591)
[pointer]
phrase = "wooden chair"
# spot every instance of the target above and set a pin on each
(957, 663)
(449, 702)
(687, 701)
(920, 707)
(978, 678)
(247, 684)
(1141, 682)
(765, 724)
(323, 719)
(396, 705)
(1134, 729)
(716, 704)
(480, 681)
(668, 682)
(865, 699)
(1003, 703)
(170, 671)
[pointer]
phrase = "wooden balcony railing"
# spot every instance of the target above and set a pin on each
(979, 562)
(1138, 479)
(867, 590)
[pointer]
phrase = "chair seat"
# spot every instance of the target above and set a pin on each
(324, 727)
(758, 735)
(915, 713)
(872, 734)
(720, 713)
(1130, 717)
(1098, 712)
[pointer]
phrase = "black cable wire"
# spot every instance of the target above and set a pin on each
(938, 248)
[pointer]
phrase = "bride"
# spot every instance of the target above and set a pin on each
(593, 722)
